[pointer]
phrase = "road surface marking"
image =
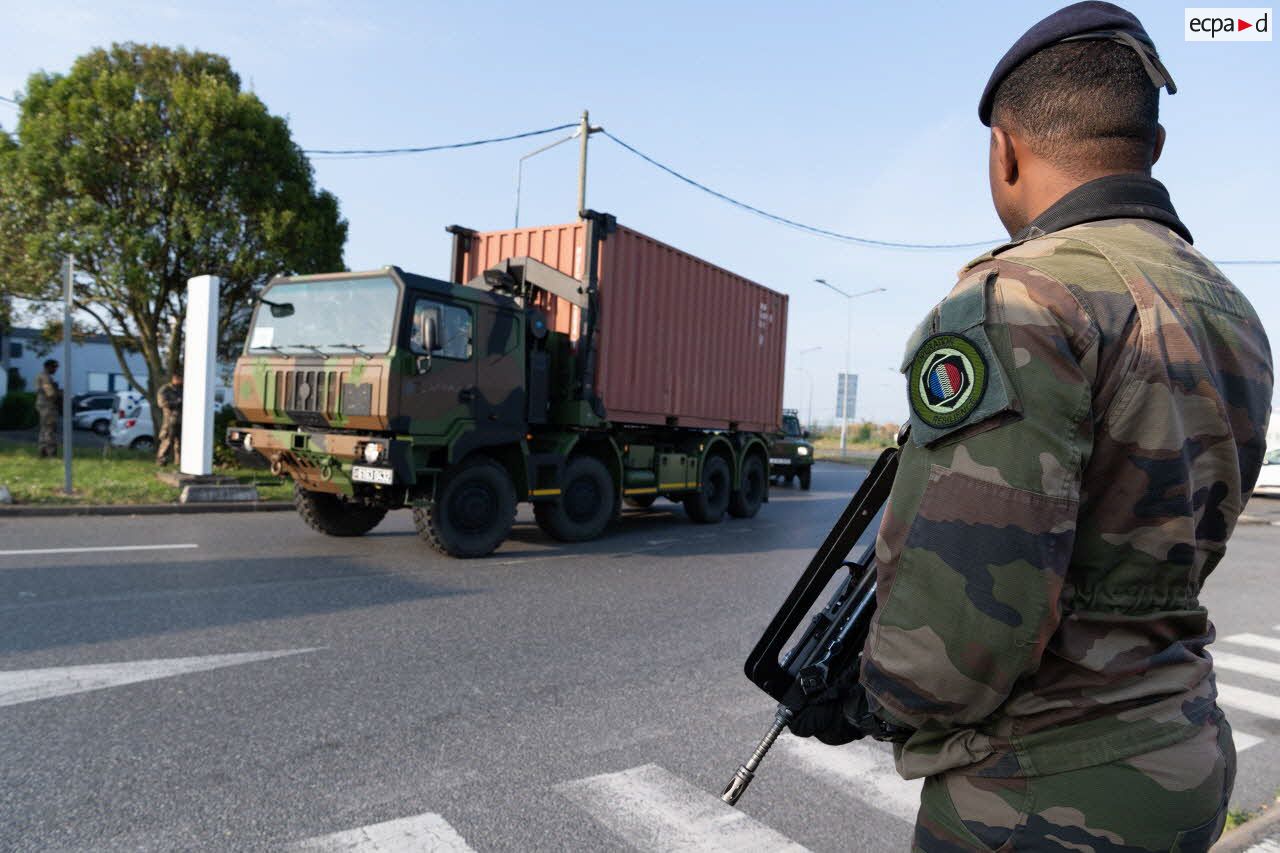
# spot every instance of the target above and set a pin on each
(1243, 741)
(1256, 640)
(427, 832)
(101, 548)
(1262, 704)
(653, 810)
(1269, 845)
(1249, 666)
(865, 771)
(30, 685)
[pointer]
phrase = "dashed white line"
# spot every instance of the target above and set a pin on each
(23, 552)
(428, 832)
(653, 810)
(865, 771)
(1258, 641)
(1249, 666)
(30, 685)
(1262, 704)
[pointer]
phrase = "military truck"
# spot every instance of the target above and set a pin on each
(790, 452)
(647, 373)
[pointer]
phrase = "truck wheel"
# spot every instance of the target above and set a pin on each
(708, 504)
(806, 476)
(473, 513)
(640, 501)
(789, 479)
(335, 515)
(586, 504)
(745, 502)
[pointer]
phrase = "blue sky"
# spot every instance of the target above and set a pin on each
(856, 117)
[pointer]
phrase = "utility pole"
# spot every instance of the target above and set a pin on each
(584, 133)
(803, 352)
(848, 346)
(66, 376)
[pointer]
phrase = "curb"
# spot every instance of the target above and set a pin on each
(1262, 828)
(142, 509)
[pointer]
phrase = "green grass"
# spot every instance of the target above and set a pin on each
(1236, 817)
(111, 476)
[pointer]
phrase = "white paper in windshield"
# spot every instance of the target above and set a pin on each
(262, 337)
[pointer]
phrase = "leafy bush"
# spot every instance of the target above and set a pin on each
(18, 410)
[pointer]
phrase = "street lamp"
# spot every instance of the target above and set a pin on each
(848, 345)
(806, 351)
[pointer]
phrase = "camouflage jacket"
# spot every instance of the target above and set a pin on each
(48, 395)
(170, 399)
(1089, 412)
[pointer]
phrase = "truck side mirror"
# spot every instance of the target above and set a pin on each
(430, 333)
(804, 433)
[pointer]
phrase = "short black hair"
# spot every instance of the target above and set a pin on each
(1084, 106)
(50, 362)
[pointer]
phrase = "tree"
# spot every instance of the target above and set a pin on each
(149, 165)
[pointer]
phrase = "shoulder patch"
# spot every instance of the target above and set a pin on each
(947, 380)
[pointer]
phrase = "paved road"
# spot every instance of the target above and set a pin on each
(261, 686)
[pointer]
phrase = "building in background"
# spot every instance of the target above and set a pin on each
(94, 366)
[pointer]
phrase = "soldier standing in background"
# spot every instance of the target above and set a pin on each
(170, 437)
(1088, 417)
(48, 404)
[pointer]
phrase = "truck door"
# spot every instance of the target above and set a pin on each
(500, 365)
(443, 391)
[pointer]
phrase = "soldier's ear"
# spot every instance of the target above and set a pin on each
(1159, 146)
(1004, 156)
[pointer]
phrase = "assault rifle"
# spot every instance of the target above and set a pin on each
(826, 654)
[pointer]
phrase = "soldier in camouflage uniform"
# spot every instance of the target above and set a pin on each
(170, 438)
(1088, 417)
(48, 402)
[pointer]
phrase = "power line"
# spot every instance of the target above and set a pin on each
(791, 223)
(358, 153)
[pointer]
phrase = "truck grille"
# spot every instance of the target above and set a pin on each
(311, 391)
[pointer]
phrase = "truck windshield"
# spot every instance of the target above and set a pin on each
(353, 315)
(791, 426)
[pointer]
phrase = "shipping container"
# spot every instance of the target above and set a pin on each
(682, 342)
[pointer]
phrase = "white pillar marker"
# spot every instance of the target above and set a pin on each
(31, 685)
(199, 366)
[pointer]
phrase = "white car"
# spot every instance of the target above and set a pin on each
(1269, 476)
(131, 424)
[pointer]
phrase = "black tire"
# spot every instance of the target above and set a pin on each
(334, 515)
(708, 504)
(789, 480)
(473, 512)
(745, 502)
(143, 442)
(101, 426)
(586, 506)
(640, 501)
(806, 477)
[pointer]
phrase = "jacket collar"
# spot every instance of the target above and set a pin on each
(1110, 197)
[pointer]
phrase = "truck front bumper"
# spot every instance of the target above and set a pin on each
(330, 462)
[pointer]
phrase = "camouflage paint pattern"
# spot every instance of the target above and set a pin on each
(48, 401)
(1178, 791)
(1040, 562)
(168, 442)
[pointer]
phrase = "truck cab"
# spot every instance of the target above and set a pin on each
(791, 452)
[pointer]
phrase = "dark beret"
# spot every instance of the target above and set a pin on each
(1087, 20)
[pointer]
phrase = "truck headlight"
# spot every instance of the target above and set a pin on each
(372, 452)
(802, 451)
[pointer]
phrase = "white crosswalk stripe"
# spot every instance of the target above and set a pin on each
(1244, 740)
(1270, 845)
(1253, 701)
(651, 809)
(1258, 641)
(1249, 666)
(862, 769)
(428, 833)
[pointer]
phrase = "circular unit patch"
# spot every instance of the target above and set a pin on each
(947, 381)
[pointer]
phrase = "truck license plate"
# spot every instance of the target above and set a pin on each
(365, 474)
(779, 461)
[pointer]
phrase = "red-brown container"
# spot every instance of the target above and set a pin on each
(678, 337)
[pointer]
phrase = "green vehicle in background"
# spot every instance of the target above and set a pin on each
(790, 453)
